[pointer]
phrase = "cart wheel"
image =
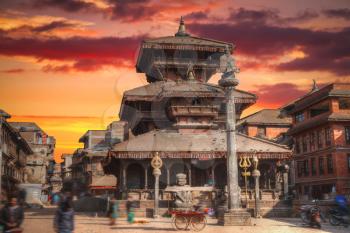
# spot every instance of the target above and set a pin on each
(198, 223)
(180, 222)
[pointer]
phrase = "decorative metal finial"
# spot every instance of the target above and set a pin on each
(182, 28)
(314, 86)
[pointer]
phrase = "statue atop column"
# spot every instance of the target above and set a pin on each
(229, 69)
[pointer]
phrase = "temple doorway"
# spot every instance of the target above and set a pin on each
(135, 176)
(220, 174)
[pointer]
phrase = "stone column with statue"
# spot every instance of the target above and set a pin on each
(256, 175)
(235, 214)
(156, 164)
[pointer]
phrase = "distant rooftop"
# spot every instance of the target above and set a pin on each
(266, 117)
(26, 126)
(4, 114)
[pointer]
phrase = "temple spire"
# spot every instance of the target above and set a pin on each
(182, 28)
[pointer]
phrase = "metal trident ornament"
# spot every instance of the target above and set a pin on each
(245, 163)
(156, 162)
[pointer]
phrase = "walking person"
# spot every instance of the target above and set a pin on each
(130, 205)
(64, 218)
(113, 211)
(12, 216)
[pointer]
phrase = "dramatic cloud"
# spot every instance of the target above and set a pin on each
(276, 95)
(268, 16)
(13, 71)
(196, 16)
(67, 5)
(86, 53)
(338, 13)
(327, 51)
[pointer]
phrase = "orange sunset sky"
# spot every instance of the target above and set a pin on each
(65, 64)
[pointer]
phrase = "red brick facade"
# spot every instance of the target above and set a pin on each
(322, 143)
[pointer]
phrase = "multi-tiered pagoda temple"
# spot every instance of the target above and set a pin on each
(182, 117)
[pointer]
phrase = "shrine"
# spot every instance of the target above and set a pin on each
(181, 116)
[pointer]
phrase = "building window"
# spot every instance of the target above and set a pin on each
(319, 109)
(329, 164)
(312, 141)
(299, 117)
(300, 167)
(297, 146)
(349, 162)
(304, 144)
(321, 166)
(319, 139)
(344, 103)
(328, 136)
(261, 131)
(347, 134)
(313, 166)
(306, 167)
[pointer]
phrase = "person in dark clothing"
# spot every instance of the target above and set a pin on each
(12, 216)
(64, 218)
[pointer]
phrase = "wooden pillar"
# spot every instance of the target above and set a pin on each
(167, 176)
(146, 177)
(213, 174)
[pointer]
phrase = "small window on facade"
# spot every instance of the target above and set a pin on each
(329, 164)
(300, 167)
(344, 103)
(261, 131)
(319, 139)
(321, 166)
(312, 141)
(297, 146)
(306, 167)
(304, 144)
(299, 117)
(347, 134)
(313, 166)
(328, 136)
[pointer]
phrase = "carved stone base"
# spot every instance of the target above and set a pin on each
(236, 217)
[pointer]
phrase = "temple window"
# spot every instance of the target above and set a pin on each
(321, 166)
(347, 134)
(329, 164)
(344, 103)
(299, 117)
(319, 109)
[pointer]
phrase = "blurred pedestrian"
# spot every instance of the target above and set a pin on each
(64, 217)
(12, 216)
(113, 211)
(130, 205)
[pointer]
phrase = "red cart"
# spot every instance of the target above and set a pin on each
(181, 220)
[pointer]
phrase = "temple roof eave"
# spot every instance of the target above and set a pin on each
(211, 145)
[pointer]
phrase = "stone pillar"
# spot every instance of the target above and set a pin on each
(146, 177)
(285, 181)
(156, 173)
(235, 215)
(156, 163)
(256, 175)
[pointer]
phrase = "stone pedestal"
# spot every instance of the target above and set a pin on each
(235, 217)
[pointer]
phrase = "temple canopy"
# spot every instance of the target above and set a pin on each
(209, 145)
(168, 58)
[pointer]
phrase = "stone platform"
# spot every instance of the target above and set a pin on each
(237, 217)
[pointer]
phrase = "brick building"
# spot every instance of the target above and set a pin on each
(321, 132)
(13, 151)
(40, 164)
(267, 123)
